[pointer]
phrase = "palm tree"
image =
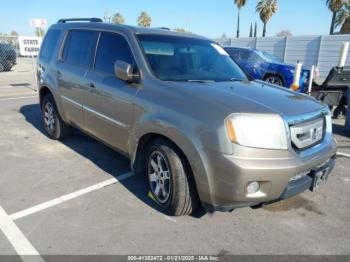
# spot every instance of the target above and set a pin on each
(118, 18)
(240, 4)
(144, 20)
(251, 30)
(334, 6)
(256, 30)
(266, 9)
(343, 18)
(39, 32)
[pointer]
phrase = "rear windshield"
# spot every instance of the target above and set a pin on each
(174, 58)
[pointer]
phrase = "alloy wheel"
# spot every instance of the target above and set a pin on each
(49, 117)
(274, 80)
(159, 176)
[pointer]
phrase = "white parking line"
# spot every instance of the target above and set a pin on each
(65, 198)
(15, 98)
(343, 154)
(17, 239)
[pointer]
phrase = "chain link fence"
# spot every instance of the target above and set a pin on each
(20, 69)
(9, 51)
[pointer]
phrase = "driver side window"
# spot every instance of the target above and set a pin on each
(112, 47)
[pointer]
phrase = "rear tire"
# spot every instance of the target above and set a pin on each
(170, 179)
(54, 125)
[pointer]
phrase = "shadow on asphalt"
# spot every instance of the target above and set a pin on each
(102, 156)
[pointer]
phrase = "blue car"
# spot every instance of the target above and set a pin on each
(265, 66)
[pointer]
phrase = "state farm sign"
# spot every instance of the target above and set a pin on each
(29, 45)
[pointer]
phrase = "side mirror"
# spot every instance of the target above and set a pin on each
(124, 71)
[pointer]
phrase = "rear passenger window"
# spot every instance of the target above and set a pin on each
(50, 43)
(112, 47)
(80, 47)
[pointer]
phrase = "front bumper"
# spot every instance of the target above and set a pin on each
(229, 176)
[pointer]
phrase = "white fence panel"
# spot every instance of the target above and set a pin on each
(244, 42)
(302, 48)
(275, 45)
(330, 51)
(322, 51)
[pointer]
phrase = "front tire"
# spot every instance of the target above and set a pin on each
(170, 179)
(54, 125)
(274, 79)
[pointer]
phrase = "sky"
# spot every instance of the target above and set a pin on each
(210, 18)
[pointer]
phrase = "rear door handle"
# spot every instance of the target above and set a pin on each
(92, 85)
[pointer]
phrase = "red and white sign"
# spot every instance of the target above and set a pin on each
(38, 22)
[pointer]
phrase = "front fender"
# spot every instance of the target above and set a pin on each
(185, 138)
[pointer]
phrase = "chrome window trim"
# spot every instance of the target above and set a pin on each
(116, 122)
(104, 117)
(72, 102)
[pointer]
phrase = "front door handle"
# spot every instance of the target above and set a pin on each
(92, 85)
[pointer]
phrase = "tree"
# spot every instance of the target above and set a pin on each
(13, 33)
(251, 30)
(343, 19)
(39, 32)
(144, 20)
(284, 33)
(334, 6)
(266, 9)
(239, 4)
(256, 29)
(118, 18)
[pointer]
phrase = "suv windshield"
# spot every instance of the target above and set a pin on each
(174, 58)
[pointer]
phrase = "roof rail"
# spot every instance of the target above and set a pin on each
(91, 20)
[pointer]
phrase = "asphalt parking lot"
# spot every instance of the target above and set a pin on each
(79, 197)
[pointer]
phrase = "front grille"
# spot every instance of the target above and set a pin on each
(308, 133)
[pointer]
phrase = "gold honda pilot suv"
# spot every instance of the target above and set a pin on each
(186, 115)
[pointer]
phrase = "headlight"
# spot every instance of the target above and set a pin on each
(257, 130)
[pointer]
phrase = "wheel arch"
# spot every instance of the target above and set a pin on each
(189, 152)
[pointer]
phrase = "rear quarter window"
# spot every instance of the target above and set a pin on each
(79, 48)
(50, 44)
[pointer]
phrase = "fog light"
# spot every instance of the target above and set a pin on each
(253, 187)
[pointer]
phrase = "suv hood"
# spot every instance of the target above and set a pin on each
(250, 97)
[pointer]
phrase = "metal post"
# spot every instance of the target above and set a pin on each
(311, 80)
(343, 54)
(297, 73)
(34, 87)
